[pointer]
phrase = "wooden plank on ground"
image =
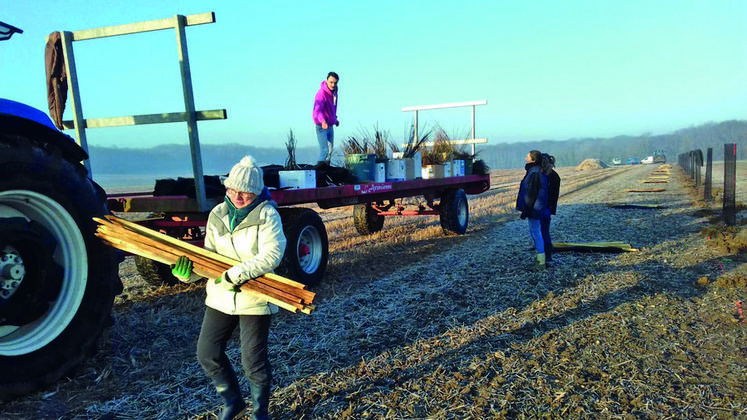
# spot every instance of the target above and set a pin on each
(645, 189)
(613, 246)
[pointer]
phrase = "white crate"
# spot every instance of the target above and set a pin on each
(380, 173)
(395, 170)
(433, 171)
(417, 166)
(447, 170)
(298, 179)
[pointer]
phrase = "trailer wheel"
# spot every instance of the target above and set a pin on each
(58, 279)
(155, 273)
(454, 212)
(366, 219)
(307, 246)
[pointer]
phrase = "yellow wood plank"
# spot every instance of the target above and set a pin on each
(148, 26)
(171, 117)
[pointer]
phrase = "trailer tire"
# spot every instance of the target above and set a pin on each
(74, 298)
(454, 212)
(307, 245)
(154, 272)
(366, 219)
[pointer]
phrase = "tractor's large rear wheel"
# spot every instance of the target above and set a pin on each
(57, 280)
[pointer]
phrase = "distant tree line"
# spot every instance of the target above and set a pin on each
(573, 151)
(175, 158)
(218, 159)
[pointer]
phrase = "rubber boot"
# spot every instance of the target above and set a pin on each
(540, 262)
(228, 388)
(260, 401)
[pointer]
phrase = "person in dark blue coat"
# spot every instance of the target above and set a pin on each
(533, 202)
(553, 192)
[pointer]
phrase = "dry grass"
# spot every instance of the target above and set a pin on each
(411, 324)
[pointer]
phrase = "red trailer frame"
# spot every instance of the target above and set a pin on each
(307, 251)
(324, 197)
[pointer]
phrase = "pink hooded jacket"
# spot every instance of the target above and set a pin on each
(325, 105)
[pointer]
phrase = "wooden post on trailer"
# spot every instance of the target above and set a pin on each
(190, 115)
(473, 128)
(189, 106)
(72, 81)
(415, 128)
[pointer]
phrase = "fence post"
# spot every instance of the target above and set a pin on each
(692, 167)
(707, 189)
(730, 183)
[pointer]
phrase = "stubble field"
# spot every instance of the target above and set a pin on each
(412, 324)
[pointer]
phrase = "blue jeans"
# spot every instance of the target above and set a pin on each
(535, 229)
(326, 139)
(545, 230)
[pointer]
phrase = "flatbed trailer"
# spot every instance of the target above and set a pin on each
(307, 250)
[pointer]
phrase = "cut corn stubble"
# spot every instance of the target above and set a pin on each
(139, 240)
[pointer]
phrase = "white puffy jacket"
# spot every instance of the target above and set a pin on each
(258, 242)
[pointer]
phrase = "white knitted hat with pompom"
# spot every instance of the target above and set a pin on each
(246, 176)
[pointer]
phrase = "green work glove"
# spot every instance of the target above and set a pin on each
(182, 269)
(227, 283)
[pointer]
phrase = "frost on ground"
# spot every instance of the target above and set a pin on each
(411, 324)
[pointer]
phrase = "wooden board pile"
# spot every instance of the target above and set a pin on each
(659, 176)
(136, 239)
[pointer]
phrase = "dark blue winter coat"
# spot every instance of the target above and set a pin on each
(533, 201)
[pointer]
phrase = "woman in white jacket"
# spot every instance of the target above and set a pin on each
(247, 228)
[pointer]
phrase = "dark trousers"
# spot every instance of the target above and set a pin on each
(545, 229)
(217, 328)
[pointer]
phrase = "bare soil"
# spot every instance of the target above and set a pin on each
(412, 324)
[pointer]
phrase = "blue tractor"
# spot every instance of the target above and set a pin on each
(57, 280)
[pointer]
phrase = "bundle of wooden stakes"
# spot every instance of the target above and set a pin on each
(136, 239)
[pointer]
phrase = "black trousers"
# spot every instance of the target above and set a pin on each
(217, 329)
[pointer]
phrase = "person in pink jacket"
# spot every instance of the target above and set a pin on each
(325, 117)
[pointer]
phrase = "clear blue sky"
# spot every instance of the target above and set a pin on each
(548, 69)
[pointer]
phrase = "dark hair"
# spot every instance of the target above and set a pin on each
(333, 74)
(548, 162)
(549, 158)
(536, 155)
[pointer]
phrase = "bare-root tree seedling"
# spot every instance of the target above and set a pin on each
(290, 145)
(413, 145)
